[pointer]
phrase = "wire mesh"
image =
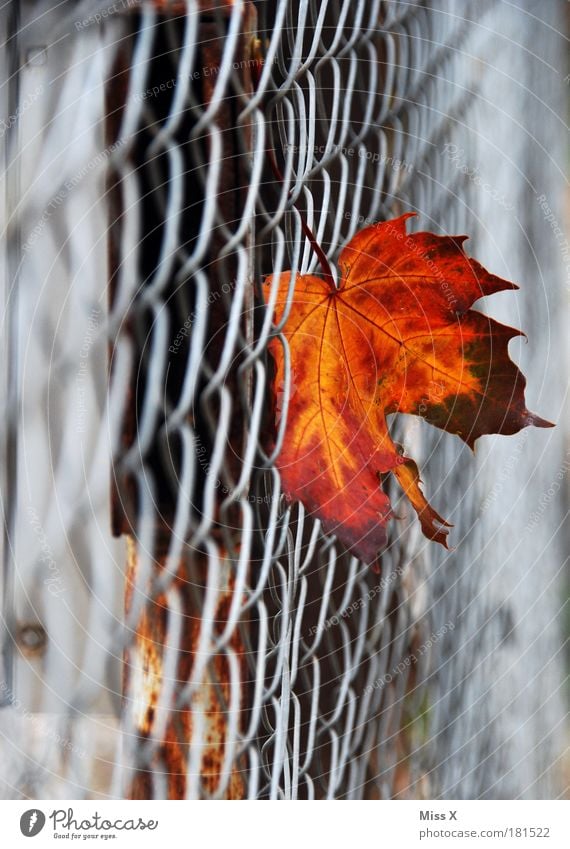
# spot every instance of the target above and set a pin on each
(255, 657)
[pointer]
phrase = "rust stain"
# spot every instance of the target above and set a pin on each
(214, 697)
(146, 672)
(143, 682)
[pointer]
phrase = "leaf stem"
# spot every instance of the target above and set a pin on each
(257, 68)
(322, 257)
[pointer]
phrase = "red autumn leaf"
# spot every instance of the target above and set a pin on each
(397, 336)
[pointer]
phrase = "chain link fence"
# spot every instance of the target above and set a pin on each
(173, 628)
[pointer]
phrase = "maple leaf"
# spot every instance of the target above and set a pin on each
(396, 336)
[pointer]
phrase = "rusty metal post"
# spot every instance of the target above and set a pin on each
(143, 676)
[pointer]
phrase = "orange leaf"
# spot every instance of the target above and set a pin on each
(397, 336)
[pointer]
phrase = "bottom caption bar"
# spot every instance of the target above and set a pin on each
(334, 824)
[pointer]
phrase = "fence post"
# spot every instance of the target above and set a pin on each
(194, 727)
